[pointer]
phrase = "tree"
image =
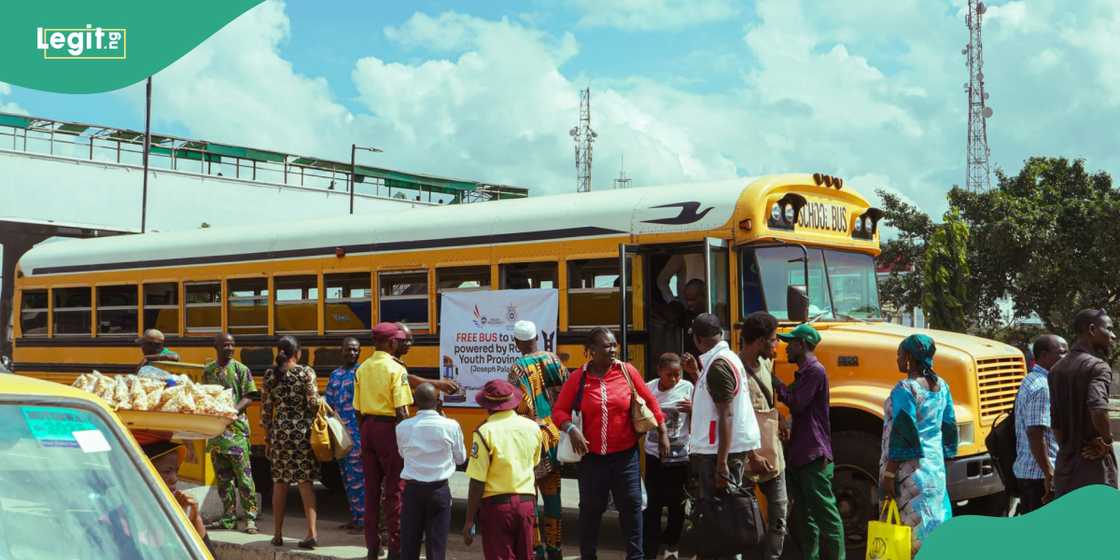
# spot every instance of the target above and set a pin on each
(903, 255)
(1047, 238)
(945, 273)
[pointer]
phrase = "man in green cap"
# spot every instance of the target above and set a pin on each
(809, 460)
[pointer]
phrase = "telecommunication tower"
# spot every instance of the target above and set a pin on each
(623, 181)
(978, 177)
(584, 137)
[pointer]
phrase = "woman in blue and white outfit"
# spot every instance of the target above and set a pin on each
(919, 434)
(340, 397)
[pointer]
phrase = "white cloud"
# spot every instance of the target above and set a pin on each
(651, 15)
(869, 92)
(9, 106)
(236, 87)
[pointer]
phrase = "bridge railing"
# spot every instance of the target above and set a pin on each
(95, 143)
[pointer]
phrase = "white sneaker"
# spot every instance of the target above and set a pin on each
(670, 554)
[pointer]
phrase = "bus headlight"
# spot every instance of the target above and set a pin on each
(789, 214)
(776, 213)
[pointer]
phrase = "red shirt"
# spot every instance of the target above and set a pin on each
(605, 408)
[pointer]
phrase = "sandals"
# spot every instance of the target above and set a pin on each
(308, 544)
(277, 541)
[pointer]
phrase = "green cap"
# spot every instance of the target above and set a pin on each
(804, 332)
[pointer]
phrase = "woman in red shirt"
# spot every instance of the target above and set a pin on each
(600, 393)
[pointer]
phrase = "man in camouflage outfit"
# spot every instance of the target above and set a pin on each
(229, 452)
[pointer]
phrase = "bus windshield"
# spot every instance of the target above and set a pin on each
(842, 285)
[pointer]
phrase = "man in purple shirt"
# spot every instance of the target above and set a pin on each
(809, 469)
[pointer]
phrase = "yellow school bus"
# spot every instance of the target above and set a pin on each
(800, 246)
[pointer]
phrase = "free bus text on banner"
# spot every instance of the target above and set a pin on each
(476, 335)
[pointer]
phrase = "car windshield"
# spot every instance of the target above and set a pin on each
(70, 489)
(842, 285)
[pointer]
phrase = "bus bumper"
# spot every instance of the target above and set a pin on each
(972, 477)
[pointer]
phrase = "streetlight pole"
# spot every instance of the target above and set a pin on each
(147, 148)
(353, 182)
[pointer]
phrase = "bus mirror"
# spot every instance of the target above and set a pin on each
(797, 303)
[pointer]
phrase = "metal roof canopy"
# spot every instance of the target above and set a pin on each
(463, 189)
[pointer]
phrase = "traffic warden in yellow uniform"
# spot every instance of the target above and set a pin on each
(502, 493)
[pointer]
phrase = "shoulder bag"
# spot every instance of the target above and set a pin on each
(565, 453)
(641, 417)
(321, 434)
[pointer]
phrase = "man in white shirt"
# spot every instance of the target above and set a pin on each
(431, 446)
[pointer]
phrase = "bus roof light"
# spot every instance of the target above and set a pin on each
(838, 183)
(339, 252)
(746, 224)
(828, 180)
(818, 179)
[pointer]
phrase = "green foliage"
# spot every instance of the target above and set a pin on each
(1047, 238)
(902, 289)
(945, 273)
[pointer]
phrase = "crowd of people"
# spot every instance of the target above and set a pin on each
(716, 427)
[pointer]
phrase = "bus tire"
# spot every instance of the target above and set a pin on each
(331, 476)
(855, 483)
(262, 476)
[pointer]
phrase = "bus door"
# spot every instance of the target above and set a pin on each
(683, 280)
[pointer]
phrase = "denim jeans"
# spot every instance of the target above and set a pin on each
(665, 488)
(619, 475)
(777, 511)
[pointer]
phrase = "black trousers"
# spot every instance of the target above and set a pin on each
(1031, 492)
(425, 517)
(665, 490)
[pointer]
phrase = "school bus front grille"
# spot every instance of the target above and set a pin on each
(998, 380)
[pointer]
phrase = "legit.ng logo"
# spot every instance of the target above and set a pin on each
(88, 43)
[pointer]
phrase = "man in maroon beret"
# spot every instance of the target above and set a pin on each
(381, 398)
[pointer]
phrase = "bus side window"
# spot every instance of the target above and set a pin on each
(460, 279)
(297, 304)
(404, 298)
(203, 305)
(161, 307)
(33, 313)
(72, 311)
(117, 313)
(347, 306)
(523, 276)
(593, 294)
(248, 306)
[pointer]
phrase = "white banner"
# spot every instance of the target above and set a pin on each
(476, 335)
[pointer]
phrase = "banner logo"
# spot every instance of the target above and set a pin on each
(89, 43)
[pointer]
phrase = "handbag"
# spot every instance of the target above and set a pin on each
(729, 523)
(1001, 447)
(768, 424)
(565, 453)
(640, 415)
(890, 539)
(341, 442)
(321, 435)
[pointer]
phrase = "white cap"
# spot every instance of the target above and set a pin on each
(524, 331)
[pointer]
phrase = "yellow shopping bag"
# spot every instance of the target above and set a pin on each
(890, 539)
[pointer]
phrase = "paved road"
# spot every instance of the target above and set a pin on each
(336, 543)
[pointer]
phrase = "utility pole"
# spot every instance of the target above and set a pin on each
(623, 181)
(353, 151)
(978, 177)
(147, 148)
(584, 137)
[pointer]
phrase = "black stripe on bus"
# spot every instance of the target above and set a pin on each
(490, 239)
(258, 340)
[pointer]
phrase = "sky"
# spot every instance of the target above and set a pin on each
(684, 90)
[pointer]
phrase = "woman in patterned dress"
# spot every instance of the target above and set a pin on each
(289, 401)
(919, 434)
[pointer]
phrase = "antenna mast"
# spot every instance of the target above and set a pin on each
(622, 182)
(978, 177)
(583, 137)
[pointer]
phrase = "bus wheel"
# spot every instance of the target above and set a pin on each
(855, 483)
(262, 476)
(331, 476)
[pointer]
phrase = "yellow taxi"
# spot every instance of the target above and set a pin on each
(74, 483)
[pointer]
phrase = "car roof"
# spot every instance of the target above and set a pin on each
(12, 384)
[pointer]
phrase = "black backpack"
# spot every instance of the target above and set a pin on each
(1001, 448)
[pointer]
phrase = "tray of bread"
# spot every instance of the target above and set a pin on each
(176, 404)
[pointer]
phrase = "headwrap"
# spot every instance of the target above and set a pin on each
(921, 349)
